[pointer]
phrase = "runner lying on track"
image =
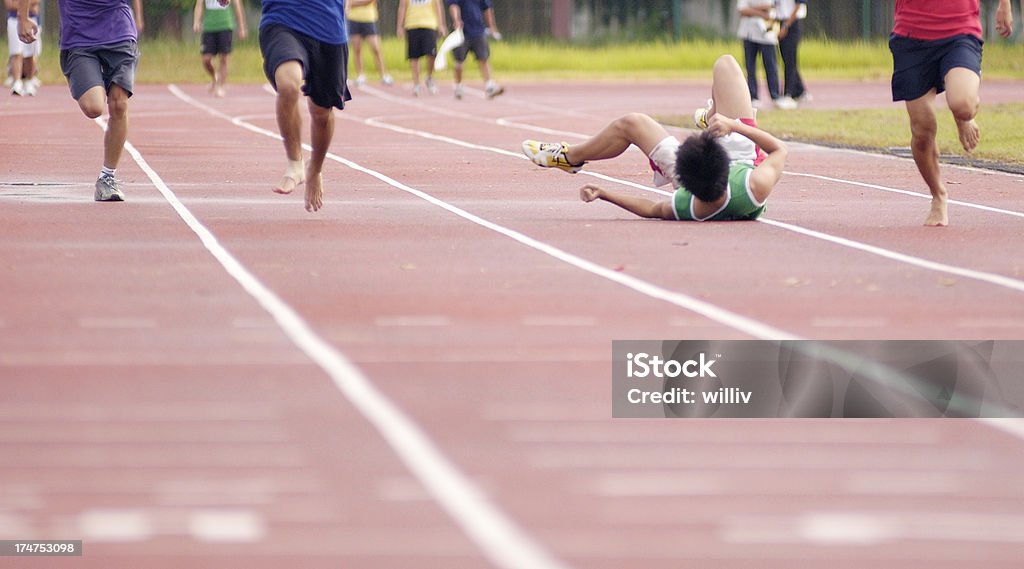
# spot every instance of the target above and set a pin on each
(725, 172)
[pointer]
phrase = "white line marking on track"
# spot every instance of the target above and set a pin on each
(905, 193)
(226, 526)
(115, 525)
(998, 280)
(497, 536)
(1015, 427)
(736, 321)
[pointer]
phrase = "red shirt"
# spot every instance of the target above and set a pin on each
(931, 20)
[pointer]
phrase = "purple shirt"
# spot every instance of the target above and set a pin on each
(91, 23)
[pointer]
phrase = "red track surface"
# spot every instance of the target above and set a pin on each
(153, 408)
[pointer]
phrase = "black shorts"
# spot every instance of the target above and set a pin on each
(481, 50)
(106, 65)
(921, 65)
(362, 28)
(213, 43)
(420, 42)
(324, 65)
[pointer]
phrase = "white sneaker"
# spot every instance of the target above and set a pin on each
(36, 82)
(30, 88)
(494, 90)
(785, 103)
(805, 98)
(361, 80)
(18, 88)
(458, 91)
(416, 90)
(431, 86)
(387, 80)
(8, 81)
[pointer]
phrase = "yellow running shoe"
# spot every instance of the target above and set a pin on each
(550, 155)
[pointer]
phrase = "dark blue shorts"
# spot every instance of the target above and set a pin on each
(921, 65)
(362, 29)
(324, 65)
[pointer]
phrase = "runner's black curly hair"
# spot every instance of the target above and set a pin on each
(702, 166)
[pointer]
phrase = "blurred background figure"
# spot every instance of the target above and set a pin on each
(217, 22)
(22, 66)
(791, 14)
(419, 21)
(759, 31)
(362, 26)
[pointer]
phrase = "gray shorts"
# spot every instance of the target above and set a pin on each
(106, 65)
(479, 46)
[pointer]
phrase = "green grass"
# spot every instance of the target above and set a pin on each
(882, 129)
(166, 61)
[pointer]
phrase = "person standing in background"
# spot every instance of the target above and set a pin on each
(24, 57)
(419, 21)
(362, 18)
(791, 14)
(217, 23)
(757, 29)
(474, 18)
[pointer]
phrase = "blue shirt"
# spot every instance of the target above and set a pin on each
(472, 16)
(322, 20)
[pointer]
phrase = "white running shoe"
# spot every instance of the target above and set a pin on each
(431, 86)
(18, 88)
(550, 155)
(493, 91)
(360, 81)
(387, 81)
(458, 91)
(416, 90)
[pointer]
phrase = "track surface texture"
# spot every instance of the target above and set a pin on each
(208, 376)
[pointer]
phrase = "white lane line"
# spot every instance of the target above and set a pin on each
(990, 278)
(722, 316)
(998, 280)
(541, 129)
(905, 193)
(226, 526)
(500, 540)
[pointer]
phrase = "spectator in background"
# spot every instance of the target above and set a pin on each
(791, 15)
(24, 57)
(99, 50)
(362, 18)
(758, 30)
(419, 21)
(474, 18)
(217, 23)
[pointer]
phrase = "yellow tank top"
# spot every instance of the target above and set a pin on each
(365, 14)
(421, 14)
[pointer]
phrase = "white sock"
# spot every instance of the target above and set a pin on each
(108, 172)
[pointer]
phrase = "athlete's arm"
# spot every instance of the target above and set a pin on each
(640, 206)
(767, 174)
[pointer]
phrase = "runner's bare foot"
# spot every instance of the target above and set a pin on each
(314, 192)
(294, 176)
(970, 134)
(937, 215)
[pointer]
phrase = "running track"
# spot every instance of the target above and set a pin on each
(417, 375)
